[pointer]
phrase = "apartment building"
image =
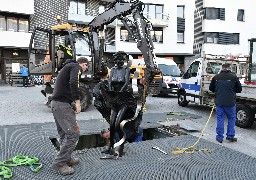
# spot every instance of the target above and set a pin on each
(181, 28)
(223, 27)
(172, 23)
(14, 34)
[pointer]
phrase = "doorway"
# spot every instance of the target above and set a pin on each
(11, 68)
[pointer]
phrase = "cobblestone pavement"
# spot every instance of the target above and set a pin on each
(25, 105)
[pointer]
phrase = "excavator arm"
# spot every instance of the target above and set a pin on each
(139, 28)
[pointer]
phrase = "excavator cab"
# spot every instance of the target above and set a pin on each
(40, 60)
(49, 49)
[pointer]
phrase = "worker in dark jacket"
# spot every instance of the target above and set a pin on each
(65, 105)
(225, 85)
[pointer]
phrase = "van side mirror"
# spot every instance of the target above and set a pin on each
(181, 73)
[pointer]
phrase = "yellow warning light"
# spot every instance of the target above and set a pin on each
(58, 18)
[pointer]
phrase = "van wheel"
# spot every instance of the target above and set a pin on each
(85, 99)
(182, 98)
(244, 116)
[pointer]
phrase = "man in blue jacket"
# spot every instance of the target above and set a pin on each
(24, 73)
(130, 136)
(225, 85)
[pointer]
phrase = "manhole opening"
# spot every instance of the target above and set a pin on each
(95, 140)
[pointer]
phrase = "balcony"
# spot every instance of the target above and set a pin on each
(156, 22)
(108, 1)
(82, 17)
(212, 48)
(218, 26)
(14, 39)
(110, 48)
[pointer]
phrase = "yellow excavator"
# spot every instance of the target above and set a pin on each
(65, 41)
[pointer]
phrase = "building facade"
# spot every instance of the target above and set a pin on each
(172, 23)
(15, 18)
(223, 27)
(182, 30)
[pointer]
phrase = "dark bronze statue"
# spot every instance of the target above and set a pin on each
(116, 102)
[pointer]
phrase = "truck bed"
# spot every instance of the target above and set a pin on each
(248, 91)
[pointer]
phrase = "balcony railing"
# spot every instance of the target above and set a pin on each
(157, 22)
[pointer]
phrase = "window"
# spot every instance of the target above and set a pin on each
(211, 37)
(153, 11)
(23, 25)
(73, 7)
(240, 15)
(215, 13)
(212, 13)
(101, 9)
(221, 38)
(180, 37)
(170, 70)
(81, 7)
(192, 70)
(243, 69)
(2, 23)
(213, 67)
(234, 68)
(159, 12)
(124, 35)
(228, 38)
(180, 11)
(236, 38)
(12, 24)
(157, 35)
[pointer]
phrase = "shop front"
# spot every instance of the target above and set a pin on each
(12, 61)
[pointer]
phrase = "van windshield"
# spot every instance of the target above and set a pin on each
(170, 70)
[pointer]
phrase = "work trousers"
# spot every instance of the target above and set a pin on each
(25, 81)
(68, 130)
(221, 112)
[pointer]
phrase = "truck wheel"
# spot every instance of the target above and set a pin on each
(244, 116)
(182, 98)
(85, 99)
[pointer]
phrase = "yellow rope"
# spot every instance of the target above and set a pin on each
(144, 98)
(192, 149)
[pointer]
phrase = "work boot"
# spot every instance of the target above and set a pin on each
(121, 150)
(233, 139)
(220, 141)
(107, 151)
(64, 170)
(43, 92)
(73, 161)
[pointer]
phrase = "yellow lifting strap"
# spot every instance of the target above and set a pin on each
(192, 149)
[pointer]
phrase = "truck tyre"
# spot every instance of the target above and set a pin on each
(244, 116)
(182, 98)
(85, 99)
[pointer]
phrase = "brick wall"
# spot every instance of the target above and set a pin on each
(45, 15)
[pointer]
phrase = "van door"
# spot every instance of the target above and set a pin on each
(191, 82)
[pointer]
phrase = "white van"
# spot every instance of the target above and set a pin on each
(170, 72)
(171, 75)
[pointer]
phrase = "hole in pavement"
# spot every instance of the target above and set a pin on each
(95, 140)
